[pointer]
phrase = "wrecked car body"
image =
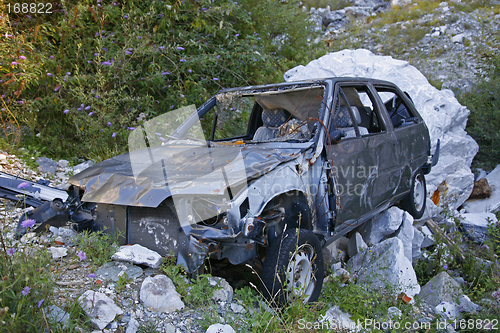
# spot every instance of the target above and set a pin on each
(259, 171)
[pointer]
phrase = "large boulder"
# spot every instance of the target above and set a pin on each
(475, 225)
(444, 116)
(385, 265)
(441, 288)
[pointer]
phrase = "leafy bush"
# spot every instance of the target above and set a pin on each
(484, 118)
(91, 71)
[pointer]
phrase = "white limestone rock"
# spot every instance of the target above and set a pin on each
(448, 310)
(338, 320)
(441, 288)
(138, 255)
(490, 204)
(356, 244)
(382, 225)
(475, 225)
(385, 265)
(220, 328)
(58, 252)
(159, 294)
(99, 308)
(406, 234)
(444, 116)
(418, 238)
(223, 291)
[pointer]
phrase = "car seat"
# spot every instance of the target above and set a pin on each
(344, 122)
(272, 120)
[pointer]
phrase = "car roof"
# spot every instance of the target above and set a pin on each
(313, 82)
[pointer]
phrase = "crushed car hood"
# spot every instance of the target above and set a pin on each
(147, 177)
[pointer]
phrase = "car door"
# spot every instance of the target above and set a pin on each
(363, 162)
(409, 132)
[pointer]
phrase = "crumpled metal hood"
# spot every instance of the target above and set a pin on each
(147, 177)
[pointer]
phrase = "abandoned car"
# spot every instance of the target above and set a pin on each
(272, 173)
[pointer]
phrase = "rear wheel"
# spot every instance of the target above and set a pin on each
(294, 268)
(414, 203)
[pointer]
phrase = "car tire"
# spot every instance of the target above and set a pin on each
(293, 268)
(414, 203)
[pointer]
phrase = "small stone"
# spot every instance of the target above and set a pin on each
(58, 252)
(138, 255)
(220, 328)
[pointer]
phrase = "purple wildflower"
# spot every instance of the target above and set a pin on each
(41, 302)
(236, 35)
(97, 96)
(101, 130)
(66, 111)
(82, 255)
(68, 73)
(126, 16)
(215, 79)
(190, 70)
(96, 54)
(57, 88)
(128, 52)
(131, 128)
(106, 63)
(182, 60)
(92, 275)
(161, 47)
(22, 57)
(91, 113)
(165, 73)
(162, 139)
(26, 291)
(180, 48)
(89, 62)
(138, 37)
(218, 56)
(109, 124)
(51, 57)
(50, 74)
(10, 252)
(23, 185)
(445, 266)
(87, 107)
(28, 223)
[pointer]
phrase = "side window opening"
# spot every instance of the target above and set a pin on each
(397, 108)
(356, 109)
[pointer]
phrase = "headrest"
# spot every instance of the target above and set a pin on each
(274, 117)
(343, 119)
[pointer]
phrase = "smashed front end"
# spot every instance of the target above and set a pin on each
(198, 183)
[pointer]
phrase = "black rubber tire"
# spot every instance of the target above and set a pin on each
(306, 248)
(414, 203)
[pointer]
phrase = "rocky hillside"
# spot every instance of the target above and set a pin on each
(447, 41)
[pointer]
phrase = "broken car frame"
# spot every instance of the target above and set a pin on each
(272, 172)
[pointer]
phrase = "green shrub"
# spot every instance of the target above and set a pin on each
(484, 119)
(90, 72)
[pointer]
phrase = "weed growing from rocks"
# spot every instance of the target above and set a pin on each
(98, 246)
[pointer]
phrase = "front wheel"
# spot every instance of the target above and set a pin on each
(414, 203)
(293, 268)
